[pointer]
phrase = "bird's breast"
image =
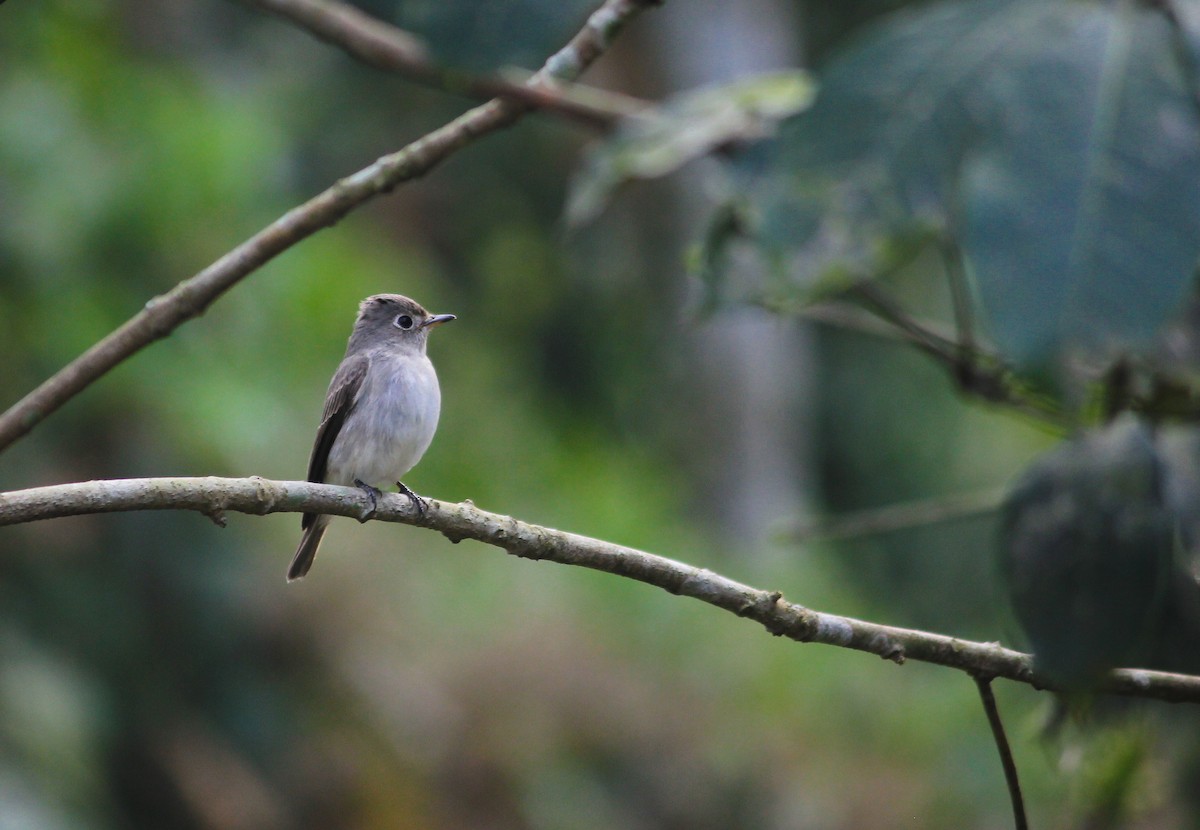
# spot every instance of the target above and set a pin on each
(392, 422)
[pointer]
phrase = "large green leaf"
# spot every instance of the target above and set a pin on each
(1055, 140)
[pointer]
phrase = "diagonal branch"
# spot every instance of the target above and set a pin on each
(214, 496)
(190, 298)
(390, 48)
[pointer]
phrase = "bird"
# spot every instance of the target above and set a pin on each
(381, 410)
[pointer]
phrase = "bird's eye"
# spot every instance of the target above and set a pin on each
(403, 322)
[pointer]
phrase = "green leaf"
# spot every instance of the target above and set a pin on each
(1081, 210)
(658, 142)
(1055, 141)
(709, 258)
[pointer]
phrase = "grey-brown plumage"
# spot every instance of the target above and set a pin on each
(381, 409)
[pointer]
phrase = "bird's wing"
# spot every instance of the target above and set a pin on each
(343, 390)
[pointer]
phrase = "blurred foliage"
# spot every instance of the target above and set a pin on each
(685, 128)
(155, 670)
(1073, 202)
(1097, 556)
(490, 34)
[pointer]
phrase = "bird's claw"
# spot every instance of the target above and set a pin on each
(418, 503)
(373, 493)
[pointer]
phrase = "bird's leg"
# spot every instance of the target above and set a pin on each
(419, 503)
(373, 493)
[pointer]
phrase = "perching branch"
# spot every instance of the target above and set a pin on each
(387, 47)
(214, 496)
(190, 298)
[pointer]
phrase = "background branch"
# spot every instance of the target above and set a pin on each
(213, 496)
(893, 517)
(865, 308)
(190, 298)
(390, 48)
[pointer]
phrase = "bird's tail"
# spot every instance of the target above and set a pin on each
(307, 551)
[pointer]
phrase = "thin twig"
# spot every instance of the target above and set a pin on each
(984, 685)
(978, 374)
(838, 313)
(387, 47)
(190, 298)
(945, 349)
(893, 517)
(465, 521)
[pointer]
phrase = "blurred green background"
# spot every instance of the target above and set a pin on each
(156, 671)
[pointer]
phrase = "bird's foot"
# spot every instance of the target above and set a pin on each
(417, 502)
(373, 493)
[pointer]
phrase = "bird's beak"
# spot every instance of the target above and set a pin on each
(437, 320)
